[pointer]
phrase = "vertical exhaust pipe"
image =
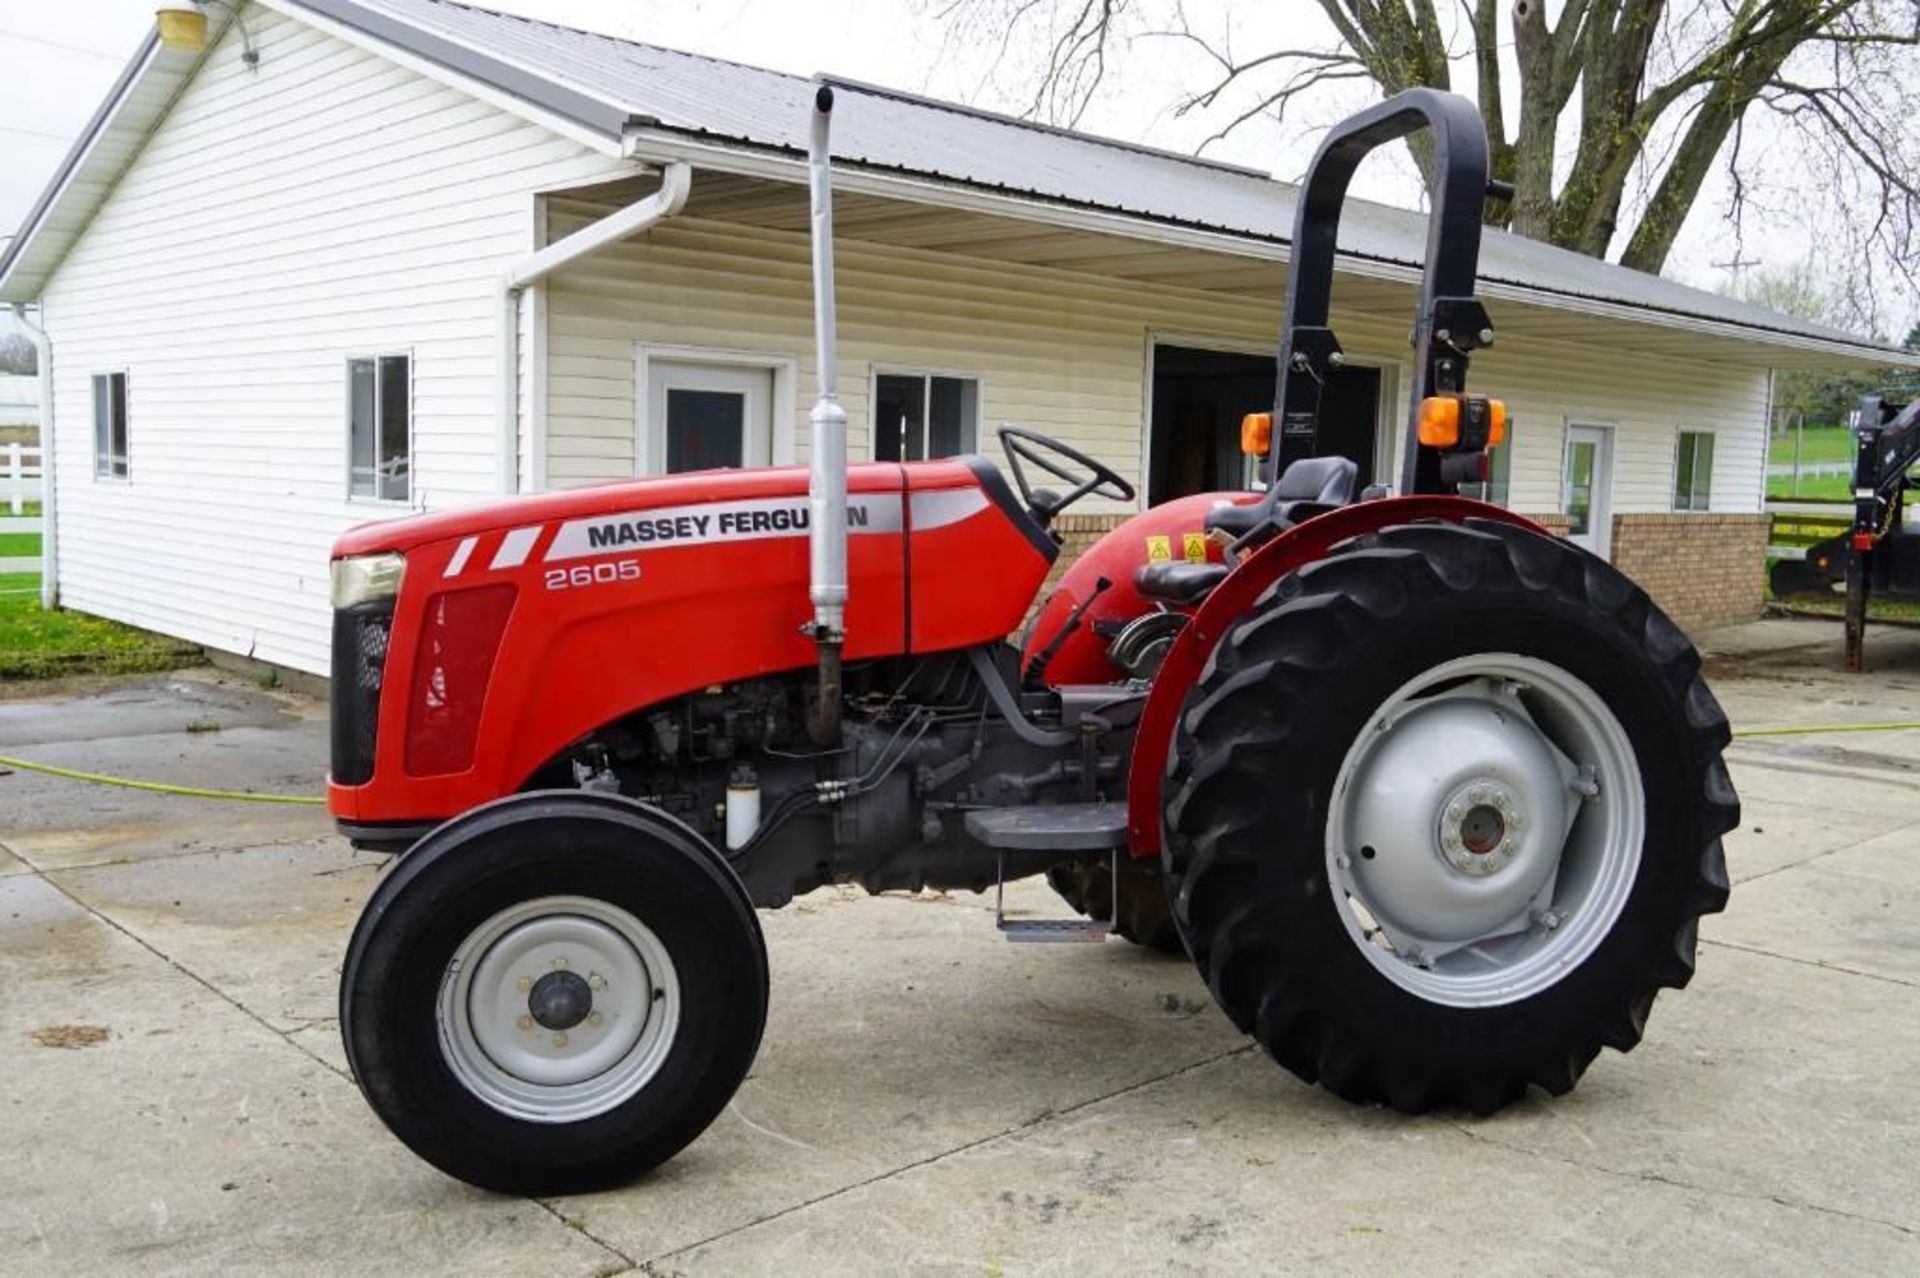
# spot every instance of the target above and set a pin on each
(827, 450)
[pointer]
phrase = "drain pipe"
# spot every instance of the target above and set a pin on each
(43, 361)
(827, 447)
(676, 180)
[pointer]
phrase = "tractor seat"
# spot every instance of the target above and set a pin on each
(1310, 486)
(1178, 583)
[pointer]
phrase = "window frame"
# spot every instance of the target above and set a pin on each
(126, 423)
(926, 375)
(1697, 491)
(376, 355)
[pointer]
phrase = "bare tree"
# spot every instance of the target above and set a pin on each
(17, 354)
(1622, 108)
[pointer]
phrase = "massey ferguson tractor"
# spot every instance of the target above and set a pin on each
(1432, 798)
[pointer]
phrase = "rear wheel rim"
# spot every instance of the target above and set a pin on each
(558, 1009)
(1485, 830)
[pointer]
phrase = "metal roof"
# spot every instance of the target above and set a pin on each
(620, 89)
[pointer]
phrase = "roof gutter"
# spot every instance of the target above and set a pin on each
(49, 536)
(653, 143)
(530, 270)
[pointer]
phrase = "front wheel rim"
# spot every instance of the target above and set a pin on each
(558, 1009)
(1485, 830)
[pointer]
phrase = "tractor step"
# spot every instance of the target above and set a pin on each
(1051, 827)
(1035, 930)
(1026, 836)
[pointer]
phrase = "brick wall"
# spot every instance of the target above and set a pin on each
(1077, 533)
(1703, 570)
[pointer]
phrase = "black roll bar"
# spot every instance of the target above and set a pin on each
(1450, 322)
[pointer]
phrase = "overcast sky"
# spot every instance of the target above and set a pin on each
(57, 61)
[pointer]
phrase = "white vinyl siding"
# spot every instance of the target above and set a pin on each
(1066, 354)
(328, 204)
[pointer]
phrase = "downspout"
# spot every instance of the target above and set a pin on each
(43, 361)
(827, 448)
(676, 180)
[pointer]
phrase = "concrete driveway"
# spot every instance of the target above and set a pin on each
(929, 1097)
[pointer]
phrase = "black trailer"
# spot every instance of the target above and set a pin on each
(1878, 554)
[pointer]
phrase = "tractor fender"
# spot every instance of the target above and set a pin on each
(1297, 546)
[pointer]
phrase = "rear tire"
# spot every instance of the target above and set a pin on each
(1146, 917)
(554, 993)
(1321, 947)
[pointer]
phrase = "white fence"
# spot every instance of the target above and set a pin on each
(19, 477)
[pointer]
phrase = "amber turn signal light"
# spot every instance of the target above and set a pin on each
(1440, 421)
(1256, 434)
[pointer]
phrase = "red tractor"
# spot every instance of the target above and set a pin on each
(1432, 798)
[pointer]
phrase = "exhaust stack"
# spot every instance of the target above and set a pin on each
(827, 451)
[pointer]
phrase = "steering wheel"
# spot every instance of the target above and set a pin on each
(1031, 446)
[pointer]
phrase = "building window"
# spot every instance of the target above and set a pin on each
(921, 415)
(380, 427)
(1693, 470)
(110, 425)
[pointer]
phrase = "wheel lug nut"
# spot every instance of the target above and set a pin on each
(524, 984)
(559, 1040)
(526, 1022)
(597, 982)
(559, 963)
(594, 1019)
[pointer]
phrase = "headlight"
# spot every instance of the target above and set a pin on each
(366, 579)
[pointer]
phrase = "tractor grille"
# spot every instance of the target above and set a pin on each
(359, 668)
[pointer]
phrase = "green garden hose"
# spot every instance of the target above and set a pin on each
(157, 787)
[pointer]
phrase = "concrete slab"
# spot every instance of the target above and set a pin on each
(54, 822)
(1775, 834)
(1765, 1079)
(1230, 1168)
(151, 1126)
(903, 1028)
(1854, 910)
(266, 926)
(142, 706)
(930, 1097)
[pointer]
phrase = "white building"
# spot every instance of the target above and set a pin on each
(276, 280)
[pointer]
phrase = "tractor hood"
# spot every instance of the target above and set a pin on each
(613, 498)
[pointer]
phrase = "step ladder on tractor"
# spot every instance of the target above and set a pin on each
(1432, 799)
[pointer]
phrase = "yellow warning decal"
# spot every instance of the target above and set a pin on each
(1159, 550)
(1194, 544)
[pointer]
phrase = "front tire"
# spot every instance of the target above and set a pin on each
(1446, 811)
(554, 993)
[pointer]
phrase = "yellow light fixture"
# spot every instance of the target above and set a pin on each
(183, 27)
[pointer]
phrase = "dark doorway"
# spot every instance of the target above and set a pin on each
(1199, 397)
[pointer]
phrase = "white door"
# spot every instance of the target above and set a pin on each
(1586, 488)
(704, 416)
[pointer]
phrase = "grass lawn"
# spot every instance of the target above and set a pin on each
(35, 644)
(1825, 444)
(1812, 488)
(19, 545)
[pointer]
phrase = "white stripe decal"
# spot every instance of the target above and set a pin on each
(515, 547)
(946, 506)
(754, 520)
(461, 554)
